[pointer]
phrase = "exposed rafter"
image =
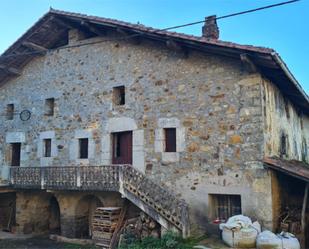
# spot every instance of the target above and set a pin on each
(130, 36)
(173, 45)
(64, 24)
(93, 29)
(10, 70)
(248, 63)
(34, 47)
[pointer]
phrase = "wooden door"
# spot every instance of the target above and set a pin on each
(15, 159)
(122, 148)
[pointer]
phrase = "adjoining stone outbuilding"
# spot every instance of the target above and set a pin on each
(196, 117)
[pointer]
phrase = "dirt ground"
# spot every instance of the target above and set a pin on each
(39, 243)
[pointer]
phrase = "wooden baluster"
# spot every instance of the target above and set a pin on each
(42, 178)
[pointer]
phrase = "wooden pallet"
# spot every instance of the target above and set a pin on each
(106, 224)
(105, 220)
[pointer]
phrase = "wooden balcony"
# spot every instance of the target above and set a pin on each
(161, 204)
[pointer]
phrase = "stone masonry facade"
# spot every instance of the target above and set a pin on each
(216, 107)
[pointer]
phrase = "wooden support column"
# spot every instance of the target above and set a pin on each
(303, 214)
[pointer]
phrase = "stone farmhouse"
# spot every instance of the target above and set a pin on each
(191, 130)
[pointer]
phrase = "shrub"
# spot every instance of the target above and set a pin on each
(169, 240)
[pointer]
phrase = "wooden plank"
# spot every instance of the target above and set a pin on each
(11, 70)
(248, 63)
(116, 235)
(303, 214)
(34, 46)
(93, 29)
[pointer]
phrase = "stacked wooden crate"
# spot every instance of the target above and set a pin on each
(104, 223)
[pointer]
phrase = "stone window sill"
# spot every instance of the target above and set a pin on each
(170, 157)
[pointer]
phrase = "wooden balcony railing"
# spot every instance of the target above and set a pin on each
(131, 183)
(104, 178)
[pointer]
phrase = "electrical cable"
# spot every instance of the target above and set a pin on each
(157, 30)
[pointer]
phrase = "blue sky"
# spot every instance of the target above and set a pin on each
(285, 28)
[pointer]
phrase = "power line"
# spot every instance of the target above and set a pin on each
(233, 14)
(165, 29)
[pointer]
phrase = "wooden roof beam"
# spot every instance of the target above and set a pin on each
(35, 47)
(248, 63)
(63, 23)
(93, 29)
(10, 70)
(133, 37)
(173, 45)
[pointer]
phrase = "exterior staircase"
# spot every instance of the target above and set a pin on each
(159, 203)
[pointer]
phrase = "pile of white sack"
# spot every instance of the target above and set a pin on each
(284, 240)
(240, 232)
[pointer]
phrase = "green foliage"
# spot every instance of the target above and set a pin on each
(74, 246)
(169, 240)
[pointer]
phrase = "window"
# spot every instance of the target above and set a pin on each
(119, 95)
(16, 149)
(122, 147)
(225, 206)
(170, 139)
(283, 145)
(83, 148)
(49, 106)
(47, 147)
(10, 111)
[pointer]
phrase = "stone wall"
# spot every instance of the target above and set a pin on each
(34, 214)
(282, 118)
(212, 102)
(7, 210)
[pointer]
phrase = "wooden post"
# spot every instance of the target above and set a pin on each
(78, 180)
(121, 173)
(303, 213)
(42, 177)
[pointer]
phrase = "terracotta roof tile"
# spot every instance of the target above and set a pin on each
(172, 34)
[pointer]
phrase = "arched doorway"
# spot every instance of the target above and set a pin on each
(54, 216)
(84, 212)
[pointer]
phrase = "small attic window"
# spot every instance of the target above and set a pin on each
(119, 95)
(10, 111)
(49, 106)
